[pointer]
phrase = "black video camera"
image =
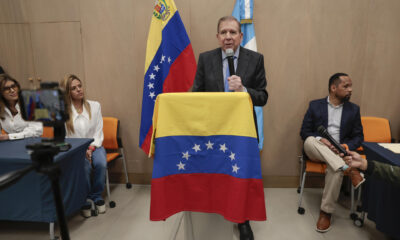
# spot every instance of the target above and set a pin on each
(46, 105)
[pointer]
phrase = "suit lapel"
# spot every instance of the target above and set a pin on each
(217, 69)
(243, 61)
(345, 115)
(324, 108)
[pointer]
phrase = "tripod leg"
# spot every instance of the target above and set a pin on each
(60, 209)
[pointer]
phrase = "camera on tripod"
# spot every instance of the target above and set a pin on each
(46, 105)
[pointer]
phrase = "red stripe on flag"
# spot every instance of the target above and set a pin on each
(146, 143)
(181, 74)
(237, 200)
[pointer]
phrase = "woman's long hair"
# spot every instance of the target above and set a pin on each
(66, 86)
(3, 102)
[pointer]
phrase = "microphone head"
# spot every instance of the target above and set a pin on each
(321, 130)
(229, 52)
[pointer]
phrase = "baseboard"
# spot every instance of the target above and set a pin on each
(268, 181)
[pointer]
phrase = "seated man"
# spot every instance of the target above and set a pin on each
(342, 120)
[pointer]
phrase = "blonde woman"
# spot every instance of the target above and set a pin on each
(86, 121)
(10, 114)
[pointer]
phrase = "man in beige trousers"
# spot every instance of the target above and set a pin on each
(342, 120)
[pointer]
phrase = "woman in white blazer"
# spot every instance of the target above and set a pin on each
(86, 121)
(10, 113)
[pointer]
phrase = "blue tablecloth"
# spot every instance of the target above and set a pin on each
(381, 199)
(31, 198)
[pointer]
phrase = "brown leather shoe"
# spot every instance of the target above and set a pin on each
(356, 178)
(324, 222)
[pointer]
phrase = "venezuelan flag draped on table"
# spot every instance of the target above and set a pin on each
(243, 12)
(206, 157)
(170, 64)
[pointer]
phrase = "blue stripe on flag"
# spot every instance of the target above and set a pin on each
(232, 155)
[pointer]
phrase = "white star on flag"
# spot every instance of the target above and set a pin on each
(151, 85)
(169, 60)
(209, 145)
(235, 168)
(232, 156)
(162, 59)
(186, 155)
(196, 147)
(156, 68)
(223, 147)
(181, 166)
(152, 95)
(152, 76)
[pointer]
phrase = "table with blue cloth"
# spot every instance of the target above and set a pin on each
(381, 199)
(31, 198)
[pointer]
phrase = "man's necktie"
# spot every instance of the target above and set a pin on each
(227, 74)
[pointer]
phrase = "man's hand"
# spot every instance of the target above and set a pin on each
(355, 160)
(329, 145)
(4, 137)
(235, 83)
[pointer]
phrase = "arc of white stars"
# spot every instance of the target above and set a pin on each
(169, 60)
(181, 166)
(156, 68)
(186, 155)
(152, 76)
(235, 168)
(151, 85)
(196, 147)
(152, 95)
(222, 147)
(209, 145)
(232, 156)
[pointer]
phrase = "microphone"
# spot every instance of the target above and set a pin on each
(229, 53)
(324, 133)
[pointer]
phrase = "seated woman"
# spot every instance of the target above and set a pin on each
(10, 114)
(86, 121)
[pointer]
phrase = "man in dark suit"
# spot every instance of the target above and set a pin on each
(342, 120)
(213, 75)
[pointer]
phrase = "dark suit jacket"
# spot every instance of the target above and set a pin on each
(250, 68)
(351, 131)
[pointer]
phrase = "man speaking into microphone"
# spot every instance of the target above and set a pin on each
(232, 68)
(213, 72)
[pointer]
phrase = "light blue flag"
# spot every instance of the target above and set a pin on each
(243, 12)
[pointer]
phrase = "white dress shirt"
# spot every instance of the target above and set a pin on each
(18, 128)
(85, 127)
(334, 120)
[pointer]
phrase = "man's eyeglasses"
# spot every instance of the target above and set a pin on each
(8, 89)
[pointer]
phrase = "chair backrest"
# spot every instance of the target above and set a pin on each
(48, 132)
(110, 131)
(376, 129)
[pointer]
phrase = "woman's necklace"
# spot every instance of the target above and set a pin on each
(79, 109)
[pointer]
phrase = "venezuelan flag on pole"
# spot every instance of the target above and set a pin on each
(170, 63)
(206, 157)
(243, 12)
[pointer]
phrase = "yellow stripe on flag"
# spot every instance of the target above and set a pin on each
(162, 13)
(204, 114)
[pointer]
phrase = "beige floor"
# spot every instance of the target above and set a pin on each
(130, 220)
